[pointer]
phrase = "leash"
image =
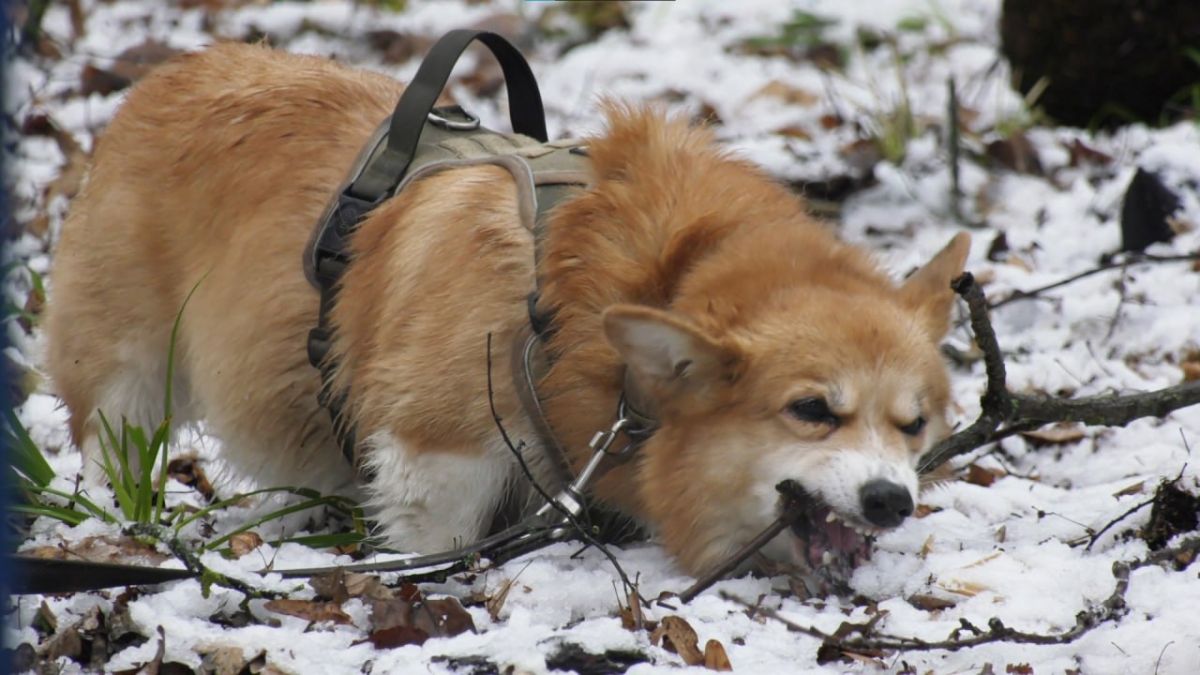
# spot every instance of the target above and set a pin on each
(554, 522)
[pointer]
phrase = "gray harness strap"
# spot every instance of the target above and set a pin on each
(544, 174)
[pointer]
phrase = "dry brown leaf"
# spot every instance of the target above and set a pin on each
(309, 610)
(632, 617)
(134, 63)
(930, 603)
(1191, 367)
(244, 542)
(965, 588)
(977, 475)
(96, 80)
(1081, 154)
(923, 510)
(794, 131)
(1135, 489)
(677, 635)
(1015, 153)
(443, 617)
(495, 602)
(715, 657)
(397, 636)
(926, 548)
(223, 660)
(1056, 434)
(787, 93)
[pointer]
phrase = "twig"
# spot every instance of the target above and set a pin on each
(796, 501)
(1112, 523)
(580, 528)
(1126, 261)
(191, 561)
(1112, 608)
(1004, 413)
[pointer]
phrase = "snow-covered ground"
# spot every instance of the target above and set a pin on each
(1014, 549)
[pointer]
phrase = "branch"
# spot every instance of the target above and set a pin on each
(796, 501)
(1004, 413)
(1111, 609)
(1131, 259)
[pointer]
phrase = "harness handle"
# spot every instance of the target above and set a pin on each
(526, 113)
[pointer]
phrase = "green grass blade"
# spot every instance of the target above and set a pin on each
(118, 474)
(26, 457)
(340, 504)
(61, 513)
(274, 515)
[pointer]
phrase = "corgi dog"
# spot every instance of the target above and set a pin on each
(767, 348)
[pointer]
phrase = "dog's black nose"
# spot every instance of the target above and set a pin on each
(885, 503)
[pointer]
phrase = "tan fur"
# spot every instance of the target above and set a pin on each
(217, 167)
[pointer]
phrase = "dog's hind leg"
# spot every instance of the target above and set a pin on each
(429, 501)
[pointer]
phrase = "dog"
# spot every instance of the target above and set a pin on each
(767, 348)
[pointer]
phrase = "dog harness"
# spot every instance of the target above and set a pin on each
(418, 140)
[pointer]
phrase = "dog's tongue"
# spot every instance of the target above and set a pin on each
(842, 539)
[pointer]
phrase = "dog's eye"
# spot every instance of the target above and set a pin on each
(914, 427)
(814, 410)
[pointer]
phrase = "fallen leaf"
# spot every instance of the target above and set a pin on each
(1191, 366)
(495, 602)
(309, 610)
(923, 510)
(95, 80)
(1135, 489)
(244, 542)
(1083, 154)
(930, 603)
(677, 635)
(715, 657)
(223, 661)
(1015, 153)
(443, 617)
(1056, 434)
(964, 588)
(134, 63)
(397, 636)
(977, 475)
(396, 47)
(926, 548)
(1001, 534)
(1019, 668)
(786, 93)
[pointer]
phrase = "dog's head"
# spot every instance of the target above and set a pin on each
(835, 384)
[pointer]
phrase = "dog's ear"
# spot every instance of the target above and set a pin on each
(664, 349)
(928, 291)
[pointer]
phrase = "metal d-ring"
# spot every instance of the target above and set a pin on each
(469, 124)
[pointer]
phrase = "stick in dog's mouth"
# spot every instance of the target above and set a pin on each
(823, 542)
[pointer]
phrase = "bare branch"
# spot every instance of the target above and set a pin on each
(1111, 609)
(1126, 261)
(1003, 413)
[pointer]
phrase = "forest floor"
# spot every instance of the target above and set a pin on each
(847, 102)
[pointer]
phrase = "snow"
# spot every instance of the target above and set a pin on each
(1015, 550)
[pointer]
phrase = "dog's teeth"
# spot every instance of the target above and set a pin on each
(827, 558)
(831, 517)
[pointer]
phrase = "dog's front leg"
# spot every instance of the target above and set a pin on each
(427, 500)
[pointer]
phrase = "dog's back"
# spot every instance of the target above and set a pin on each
(215, 168)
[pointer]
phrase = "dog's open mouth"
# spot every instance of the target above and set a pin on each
(826, 546)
